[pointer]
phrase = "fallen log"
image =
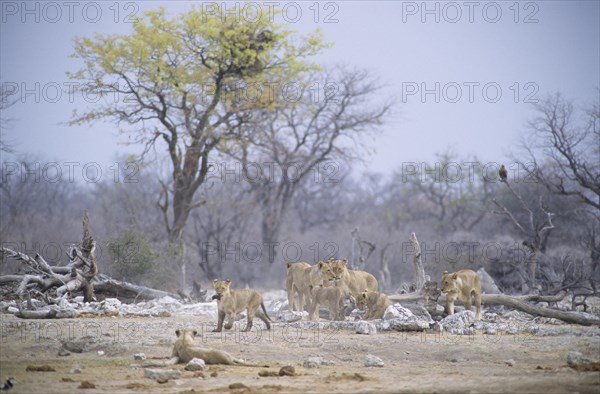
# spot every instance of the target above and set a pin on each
(51, 314)
(522, 303)
(128, 291)
(428, 292)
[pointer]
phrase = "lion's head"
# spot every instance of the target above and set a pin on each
(449, 282)
(221, 288)
(333, 270)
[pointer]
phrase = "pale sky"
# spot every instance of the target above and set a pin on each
(485, 62)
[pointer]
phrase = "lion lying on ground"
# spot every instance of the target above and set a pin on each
(332, 297)
(230, 302)
(185, 350)
(463, 285)
(375, 302)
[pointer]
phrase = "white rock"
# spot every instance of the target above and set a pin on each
(459, 323)
(397, 317)
(512, 330)
(100, 352)
(365, 327)
(196, 364)
(373, 361)
(139, 356)
(313, 362)
(396, 311)
(167, 300)
(276, 306)
(12, 309)
(291, 316)
(114, 302)
(156, 373)
(77, 368)
(576, 358)
(510, 362)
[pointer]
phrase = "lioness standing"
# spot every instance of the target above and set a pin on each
(352, 281)
(296, 283)
(463, 284)
(299, 279)
(231, 302)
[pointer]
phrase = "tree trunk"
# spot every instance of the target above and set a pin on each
(419, 270)
(533, 261)
(518, 303)
(521, 303)
(128, 291)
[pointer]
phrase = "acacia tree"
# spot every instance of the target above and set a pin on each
(307, 138)
(184, 82)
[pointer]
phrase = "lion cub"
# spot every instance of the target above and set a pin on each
(375, 302)
(185, 350)
(331, 296)
(462, 285)
(230, 302)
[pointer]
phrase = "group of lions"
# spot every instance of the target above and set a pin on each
(330, 282)
(326, 283)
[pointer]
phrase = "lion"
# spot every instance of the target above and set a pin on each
(296, 283)
(331, 296)
(303, 276)
(353, 282)
(375, 302)
(462, 285)
(230, 302)
(185, 350)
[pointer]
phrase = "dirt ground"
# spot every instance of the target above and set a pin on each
(414, 362)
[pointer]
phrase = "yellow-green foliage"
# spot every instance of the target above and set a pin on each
(190, 59)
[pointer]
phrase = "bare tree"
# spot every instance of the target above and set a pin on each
(455, 196)
(219, 227)
(363, 247)
(534, 224)
(5, 103)
(564, 150)
(307, 139)
(563, 155)
(313, 202)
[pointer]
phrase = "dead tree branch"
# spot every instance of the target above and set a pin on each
(75, 276)
(419, 270)
(521, 303)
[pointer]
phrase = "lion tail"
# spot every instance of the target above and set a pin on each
(262, 304)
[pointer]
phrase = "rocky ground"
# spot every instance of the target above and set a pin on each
(104, 349)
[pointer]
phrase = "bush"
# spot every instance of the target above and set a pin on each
(132, 257)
